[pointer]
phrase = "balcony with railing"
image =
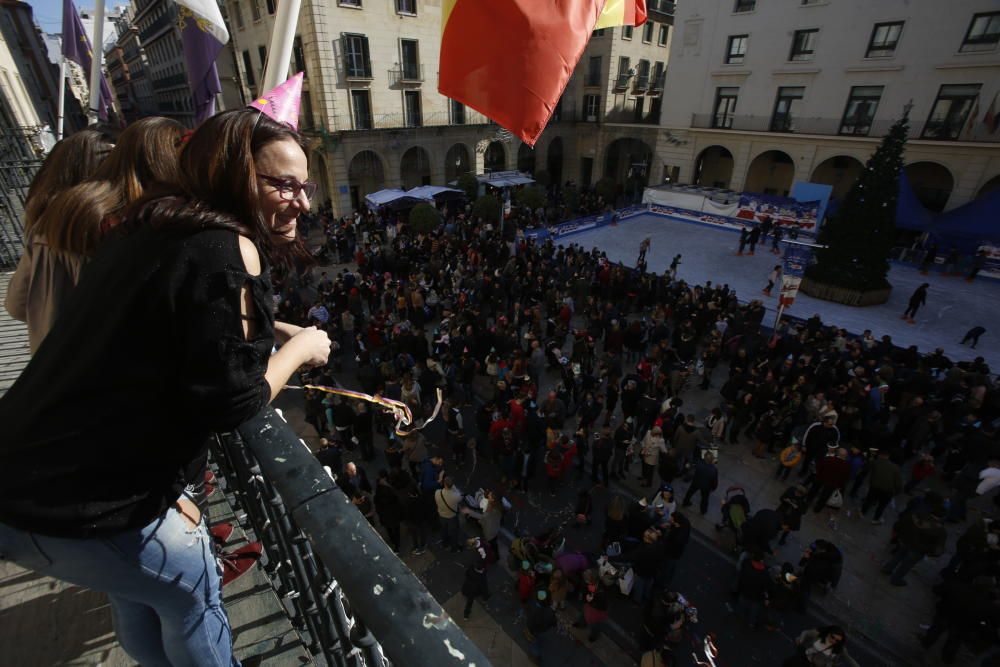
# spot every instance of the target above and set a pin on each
(661, 11)
(656, 83)
(640, 84)
(170, 81)
(401, 120)
(409, 75)
(790, 124)
(647, 116)
(157, 26)
(621, 81)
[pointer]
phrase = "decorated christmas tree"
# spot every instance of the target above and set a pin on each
(860, 235)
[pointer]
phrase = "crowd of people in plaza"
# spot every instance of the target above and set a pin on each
(558, 367)
(588, 364)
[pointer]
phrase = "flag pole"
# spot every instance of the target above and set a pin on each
(279, 52)
(62, 98)
(97, 59)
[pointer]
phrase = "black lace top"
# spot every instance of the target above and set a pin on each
(147, 359)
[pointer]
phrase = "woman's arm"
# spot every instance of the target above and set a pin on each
(283, 332)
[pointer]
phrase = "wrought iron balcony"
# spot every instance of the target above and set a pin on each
(645, 117)
(656, 83)
(408, 74)
(400, 120)
(621, 82)
(851, 127)
(640, 84)
(154, 28)
(350, 597)
(661, 11)
(170, 81)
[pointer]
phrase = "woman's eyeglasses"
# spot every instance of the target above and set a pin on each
(289, 188)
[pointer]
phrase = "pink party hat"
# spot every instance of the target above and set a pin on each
(282, 103)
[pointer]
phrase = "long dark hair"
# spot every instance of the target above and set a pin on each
(72, 160)
(217, 186)
(826, 631)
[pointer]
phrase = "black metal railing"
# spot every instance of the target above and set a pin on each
(19, 163)
(647, 117)
(661, 11)
(170, 81)
(828, 126)
(409, 73)
(158, 24)
(350, 597)
(391, 121)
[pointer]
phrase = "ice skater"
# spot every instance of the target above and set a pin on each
(674, 263)
(765, 227)
(744, 239)
(929, 258)
(951, 262)
(977, 265)
(643, 249)
(754, 238)
(917, 299)
(778, 233)
(973, 335)
(772, 279)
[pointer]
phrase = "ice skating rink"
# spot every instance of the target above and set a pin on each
(953, 305)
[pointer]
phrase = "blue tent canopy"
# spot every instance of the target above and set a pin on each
(383, 197)
(430, 192)
(966, 227)
(910, 213)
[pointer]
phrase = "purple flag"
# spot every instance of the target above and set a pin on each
(76, 48)
(201, 49)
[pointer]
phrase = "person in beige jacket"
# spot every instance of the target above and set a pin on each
(653, 445)
(43, 277)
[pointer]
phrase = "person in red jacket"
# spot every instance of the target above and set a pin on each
(558, 459)
(832, 474)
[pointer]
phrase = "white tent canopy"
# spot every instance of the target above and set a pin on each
(428, 192)
(504, 179)
(383, 197)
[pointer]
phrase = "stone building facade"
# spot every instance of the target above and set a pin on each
(763, 93)
(372, 108)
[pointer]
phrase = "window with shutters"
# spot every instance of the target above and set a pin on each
(357, 58)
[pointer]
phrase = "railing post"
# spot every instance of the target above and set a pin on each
(357, 601)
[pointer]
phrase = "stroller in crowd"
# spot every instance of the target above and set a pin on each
(735, 512)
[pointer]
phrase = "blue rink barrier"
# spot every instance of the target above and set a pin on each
(585, 223)
(589, 222)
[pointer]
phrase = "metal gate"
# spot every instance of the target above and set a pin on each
(20, 160)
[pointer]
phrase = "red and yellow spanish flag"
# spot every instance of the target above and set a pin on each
(511, 59)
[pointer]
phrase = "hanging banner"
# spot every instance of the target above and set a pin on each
(793, 269)
(782, 210)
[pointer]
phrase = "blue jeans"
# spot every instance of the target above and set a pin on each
(642, 589)
(162, 581)
(451, 532)
(537, 647)
(753, 610)
(901, 563)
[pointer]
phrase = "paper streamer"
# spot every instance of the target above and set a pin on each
(400, 411)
